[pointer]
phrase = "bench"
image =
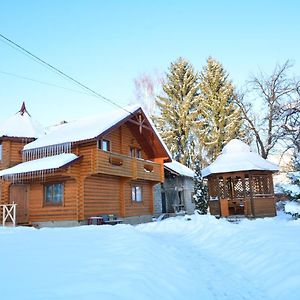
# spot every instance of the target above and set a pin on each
(104, 219)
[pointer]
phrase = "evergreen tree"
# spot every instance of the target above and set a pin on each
(200, 190)
(178, 111)
(218, 110)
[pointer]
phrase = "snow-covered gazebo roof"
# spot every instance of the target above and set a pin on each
(237, 156)
(179, 169)
(21, 125)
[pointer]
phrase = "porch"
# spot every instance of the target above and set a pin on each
(125, 166)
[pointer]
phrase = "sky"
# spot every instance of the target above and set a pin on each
(106, 44)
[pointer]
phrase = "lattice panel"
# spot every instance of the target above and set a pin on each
(261, 184)
(213, 187)
(225, 188)
(238, 187)
(247, 187)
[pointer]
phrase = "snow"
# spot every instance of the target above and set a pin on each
(237, 156)
(289, 184)
(289, 188)
(46, 163)
(292, 207)
(83, 129)
(179, 168)
(21, 125)
(174, 259)
(87, 128)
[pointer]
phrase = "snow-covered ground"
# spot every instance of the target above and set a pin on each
(203, 258)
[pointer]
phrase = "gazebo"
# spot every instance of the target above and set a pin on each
(240, 183)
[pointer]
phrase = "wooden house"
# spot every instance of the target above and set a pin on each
(240, 183)
(107, 164)
(175, 194)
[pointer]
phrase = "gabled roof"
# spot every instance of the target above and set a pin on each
(237, 156)
(91, 128)
(21, 125)
(179, 169)
(41, 164)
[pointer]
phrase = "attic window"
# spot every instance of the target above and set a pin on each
(0, 151)
(135, 152)
(104, 145)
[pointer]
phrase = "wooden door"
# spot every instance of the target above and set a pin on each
(18, 195)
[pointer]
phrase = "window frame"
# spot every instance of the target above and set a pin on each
(138, 153)
(135, 152)
(134, 193)
(132, 152)
(101, 143)
(45, 203)
(1, 151)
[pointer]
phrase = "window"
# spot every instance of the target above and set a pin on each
(104, 145)
(135, 152)
(54, 194)
(0, 151)
(132, 152)
(136, 193)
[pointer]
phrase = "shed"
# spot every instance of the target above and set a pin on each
(240, 182)
(175, 194)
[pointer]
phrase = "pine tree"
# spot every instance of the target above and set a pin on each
(221, 116)
(178, 111)
(200, 190)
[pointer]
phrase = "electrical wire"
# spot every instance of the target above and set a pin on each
(21, 49)
(44, 82)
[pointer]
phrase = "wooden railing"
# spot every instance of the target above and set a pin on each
(126, 166)
(8, 214)
(148, 170)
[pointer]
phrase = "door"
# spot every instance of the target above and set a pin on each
(163, 203)
(18, 195)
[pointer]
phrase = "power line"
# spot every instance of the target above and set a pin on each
(44, 82)
(56, 70)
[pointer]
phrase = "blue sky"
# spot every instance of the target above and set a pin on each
(106, 44)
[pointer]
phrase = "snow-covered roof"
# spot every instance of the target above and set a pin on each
(41, 164)
(237, 156)
(21, 125)
(179, 168)
(88, 128)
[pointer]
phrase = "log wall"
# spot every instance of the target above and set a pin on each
(39, 212)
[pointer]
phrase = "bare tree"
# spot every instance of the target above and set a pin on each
(146, 88)
(291, 126)
(274, 91)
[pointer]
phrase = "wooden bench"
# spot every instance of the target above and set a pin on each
(104, 219)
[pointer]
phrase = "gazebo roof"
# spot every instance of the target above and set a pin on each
(21, 125)
(237, 156)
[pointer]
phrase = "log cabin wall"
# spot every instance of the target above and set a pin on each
(145, 207)
(11, 152)
(11, 156)
(39, 212)
(122, 139)
(101, 195)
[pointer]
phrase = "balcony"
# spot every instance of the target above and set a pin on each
(126, 166)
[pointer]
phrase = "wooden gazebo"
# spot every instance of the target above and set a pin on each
(240, 183)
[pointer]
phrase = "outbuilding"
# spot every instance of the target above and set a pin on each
(240, 183)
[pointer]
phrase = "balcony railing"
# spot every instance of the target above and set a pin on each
(126, 166)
